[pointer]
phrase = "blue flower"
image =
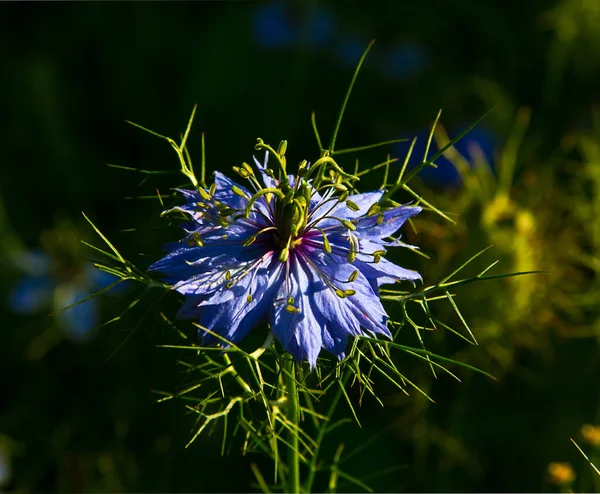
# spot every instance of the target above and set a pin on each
(406, 59)
(277, 25)
(446, 175)
(298, 251)
(43, 288)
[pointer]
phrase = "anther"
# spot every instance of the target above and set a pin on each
(236, 190)
(203, 194)
(352, 206)
(284, 254)
(249, 298)
(248, 168)
(353, 276)
(340, 293)
(195, 241)
(348, 225)
(374, 209)
(326, 244)
(243, 173)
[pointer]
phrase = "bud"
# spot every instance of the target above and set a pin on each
(282, 148)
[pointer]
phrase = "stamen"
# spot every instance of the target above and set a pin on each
(250, 240)
(326, 244)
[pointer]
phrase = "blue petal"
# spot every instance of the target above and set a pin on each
(364, 305)
(266, 179)
(298, 332)
(385, 272)
(342, 211)
(224, 194)
(235, 318)
(392, 220)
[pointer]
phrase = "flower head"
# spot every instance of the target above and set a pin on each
(298, 251)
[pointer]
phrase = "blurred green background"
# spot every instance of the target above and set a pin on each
(78, 412)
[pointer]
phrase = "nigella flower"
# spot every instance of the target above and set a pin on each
(298, 251)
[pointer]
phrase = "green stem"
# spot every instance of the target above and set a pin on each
(293, 456)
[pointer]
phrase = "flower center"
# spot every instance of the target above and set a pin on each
(291, 214)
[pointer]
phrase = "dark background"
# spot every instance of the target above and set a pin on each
(78, 413)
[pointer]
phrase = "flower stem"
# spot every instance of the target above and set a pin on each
(293, 455)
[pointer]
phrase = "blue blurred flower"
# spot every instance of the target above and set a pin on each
(5, 468)
(406, 59)
(298, 253)
(446, 175)
(277, 25)
(349, 49)
(42, 289)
